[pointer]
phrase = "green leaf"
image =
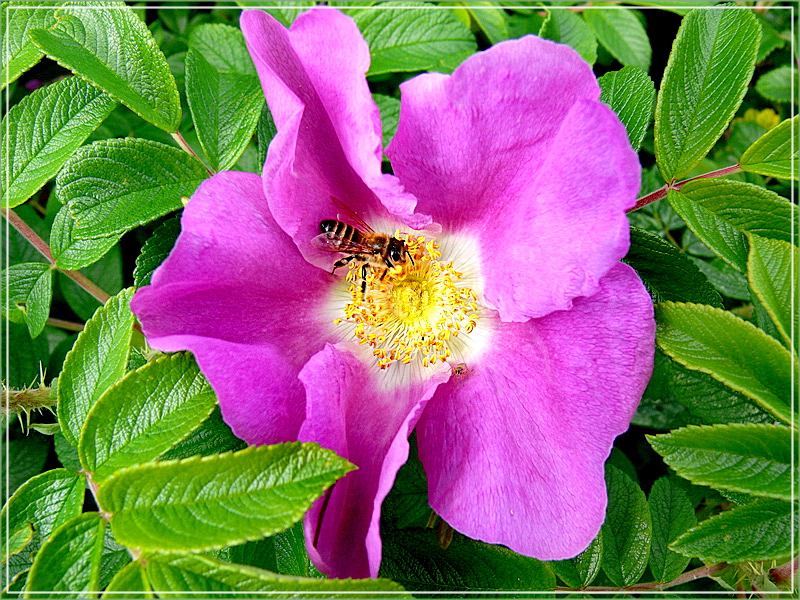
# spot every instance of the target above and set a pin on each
(16, 21)
(773, 153)
(490, 18)
(291, 555)
(568, 28)
(631, 95)
(130, 580)
(265, 131)
(70, 560)
(86, 40)
(223, 46)
(152, 408)
(413, 40)
(672, 514)
(225, 109)
(45, 501)
(96, 361)
(30, 288)
(720, 212)
(43, 130)
(389, 108)
(750, 458)
(23, 364)
(728, 281)
(707, 74)
(769, 269)
(777, 84)
(155, 250)
(413, 558)
(580, 571)
(622, 34)
(201, 574)
(627, 529)
(27, 456)
(212, 437)
(114, 185)
(757, 531)
(202, 503)
(72, 253)
(729, 349)
(106, 273)
(667, 272)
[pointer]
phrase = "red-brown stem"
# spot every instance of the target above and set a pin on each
(68, 325)
(654, 585)
(662, 192)
(38, 243)
(185, 146)
(784, 572)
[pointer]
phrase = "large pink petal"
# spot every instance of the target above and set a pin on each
(329, 130)
(515, 149)
(349, 412)
(514, 450)
(236, 292)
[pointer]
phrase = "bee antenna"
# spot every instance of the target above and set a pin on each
(411, 258)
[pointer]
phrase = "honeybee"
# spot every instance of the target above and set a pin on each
(372, 249)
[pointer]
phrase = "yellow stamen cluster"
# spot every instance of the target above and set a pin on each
(411, 311)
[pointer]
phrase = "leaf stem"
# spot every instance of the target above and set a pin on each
(176, 135)
(68, 325)
(705, 571)
(33, 238)
(662, 191)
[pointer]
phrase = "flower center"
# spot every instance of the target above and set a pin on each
(411, 311)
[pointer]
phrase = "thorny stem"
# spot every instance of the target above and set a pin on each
(662, 192)
(185, 146)
(706, 571)
(38, 243)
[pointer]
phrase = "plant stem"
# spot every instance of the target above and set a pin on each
(185, 146)
(68, 325)
(706, 571)
(662, 191)
(38, 243)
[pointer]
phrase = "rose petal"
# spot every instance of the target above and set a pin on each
(236, 292)
(514, 148)
(514, 450)
(348, 412)
(325, 161)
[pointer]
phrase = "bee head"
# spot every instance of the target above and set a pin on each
(397, 251)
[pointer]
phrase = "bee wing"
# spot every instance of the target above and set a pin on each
(330, 242)
(351, 215)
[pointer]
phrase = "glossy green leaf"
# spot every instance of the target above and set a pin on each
(580, 571)
(749, 458)
(225, 109)
(760, 530)
(568, 28)
(627, 529)
(631, 95)
(777, 84)
(73, 253)
(490, 18)
(201, 574)
(389, 108)
(29, 291)
(106, 273)
(622, 34)
(773, 154)
(672, 514)
(719, 212)
(27, 455)
(223, 46)
(414, 558)
(707, 74)
(413, 40)
(212, 437)
(155, 250)
(209, 502)
(43, 130)
(96, 361)
(771, 267)
(17, 19)
(86, 40)
(114, 185)
(152, 409)
(46, 501)
(729, 349)
(728, 281)
(668, 273)
(22, 367)
(129, 582)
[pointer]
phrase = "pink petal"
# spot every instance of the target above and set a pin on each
(236, 292)
(329, 130)
(514, 450)
(350, 413)
(515, 149)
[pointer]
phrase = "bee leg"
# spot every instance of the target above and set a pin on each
(364, 281)
(385, 271)
(342, 262)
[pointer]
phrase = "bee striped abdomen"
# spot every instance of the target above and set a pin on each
(339, 231)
